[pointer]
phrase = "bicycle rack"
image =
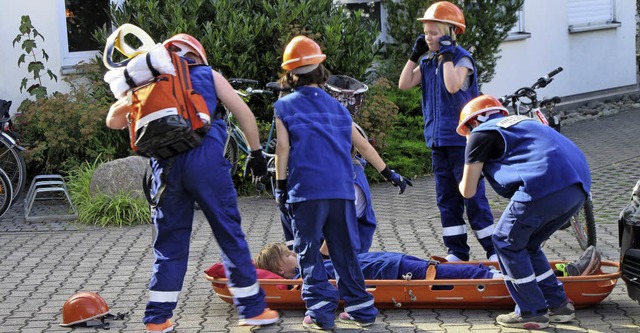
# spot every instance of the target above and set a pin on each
(48, 188)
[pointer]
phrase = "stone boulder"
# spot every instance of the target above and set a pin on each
(120, 176)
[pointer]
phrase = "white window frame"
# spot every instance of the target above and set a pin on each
(518, 32)
(590, 15)
(71, 59)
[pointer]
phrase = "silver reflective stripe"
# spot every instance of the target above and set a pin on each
(356, 307)
(319, 305)
(163, 296)
(245, 291)
(524, 280)
(545, 275)
(289, 243)
(155, 116)
(484, 233)
(454, 231)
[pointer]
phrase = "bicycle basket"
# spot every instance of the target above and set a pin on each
(347, 90)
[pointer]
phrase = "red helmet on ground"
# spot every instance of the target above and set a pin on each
(83, 307)
(184, 43)
(445, 12)
(302, 55)
(479, 108)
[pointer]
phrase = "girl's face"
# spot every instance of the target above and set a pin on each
(432, 34)
(288, 265)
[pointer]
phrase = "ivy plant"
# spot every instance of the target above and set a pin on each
(34, 58)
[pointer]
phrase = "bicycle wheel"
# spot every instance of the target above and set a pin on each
(6, 192)
(583, 225)
(13, 164)
(232, 153)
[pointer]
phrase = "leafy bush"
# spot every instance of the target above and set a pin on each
(64, 130)
(120, 210)
(246, 38)
(405, 149)
(377, 112)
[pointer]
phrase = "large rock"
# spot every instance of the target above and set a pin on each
(120, 176)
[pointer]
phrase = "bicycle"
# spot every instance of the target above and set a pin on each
(11, 159)
(524, 101)
(6, 192)
(237, 142)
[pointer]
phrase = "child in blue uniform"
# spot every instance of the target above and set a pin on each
(547, 178)
(314, 176)
(448, 79)
(278, 259)
(201, 175)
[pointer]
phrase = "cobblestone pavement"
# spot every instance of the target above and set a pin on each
(42, 264)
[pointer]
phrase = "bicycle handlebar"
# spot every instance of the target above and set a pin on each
(545, 80)
(529, 92)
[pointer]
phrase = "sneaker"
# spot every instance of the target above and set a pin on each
(347, 319)
(516, 321)
(562, 314)
(267, 317)
(167, 326)
(587, 264)
(310, 323)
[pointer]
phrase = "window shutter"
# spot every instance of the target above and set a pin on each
(590, 12)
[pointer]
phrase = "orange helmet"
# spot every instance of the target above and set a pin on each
(83, 307)
(186, 43)
(445, 12)
(479, 108)
(302, 55)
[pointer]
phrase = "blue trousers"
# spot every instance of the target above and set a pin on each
(448, 164)
(517, 238)
(200, 175)
(335, 220)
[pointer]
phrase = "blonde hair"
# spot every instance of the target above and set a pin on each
(271, 256)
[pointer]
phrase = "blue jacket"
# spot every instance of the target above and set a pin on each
(319, 129)
(537, 160)
(441, 110)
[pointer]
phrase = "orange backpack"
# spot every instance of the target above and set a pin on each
(168, 117)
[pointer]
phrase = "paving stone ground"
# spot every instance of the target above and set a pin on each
(43, 263)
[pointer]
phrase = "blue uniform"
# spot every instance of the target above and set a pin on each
(321, 194)
(399, 266)
(201, 174)
(441, 111)
(547, 178)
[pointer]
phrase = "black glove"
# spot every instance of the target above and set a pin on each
(257, 165)
(396, 179)
(282, 196)
(447, 47)
(419, 48)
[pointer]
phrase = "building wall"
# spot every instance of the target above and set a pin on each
(594, 62)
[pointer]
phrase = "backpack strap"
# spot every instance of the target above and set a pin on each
(129, 79)
(153, 70)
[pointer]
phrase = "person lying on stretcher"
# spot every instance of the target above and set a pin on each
(277, 258)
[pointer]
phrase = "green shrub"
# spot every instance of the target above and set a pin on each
(120, 210)
(245, 38)
(405, 151)
(64, 130)
(377, 112)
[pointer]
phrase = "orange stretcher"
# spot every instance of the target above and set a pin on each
(459, 293)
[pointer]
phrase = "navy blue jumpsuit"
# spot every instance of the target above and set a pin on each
(547, 178)
(441, 111)
(321, 197)
(200, 175)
